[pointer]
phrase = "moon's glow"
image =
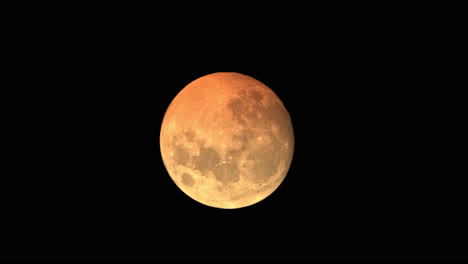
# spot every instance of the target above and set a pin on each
(227, 140)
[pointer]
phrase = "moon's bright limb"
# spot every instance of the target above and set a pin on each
(227, 140)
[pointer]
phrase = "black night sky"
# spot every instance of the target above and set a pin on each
(370, 177)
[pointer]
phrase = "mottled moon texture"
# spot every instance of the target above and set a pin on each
(227, 140)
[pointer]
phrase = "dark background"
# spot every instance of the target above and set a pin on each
(373, 174)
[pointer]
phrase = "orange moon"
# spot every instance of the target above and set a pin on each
(227, 140)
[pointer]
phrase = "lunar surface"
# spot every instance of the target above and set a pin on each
(227, 140)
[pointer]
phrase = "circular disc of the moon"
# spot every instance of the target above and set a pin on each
(227, 140)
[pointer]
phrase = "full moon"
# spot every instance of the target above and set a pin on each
(227, 140)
